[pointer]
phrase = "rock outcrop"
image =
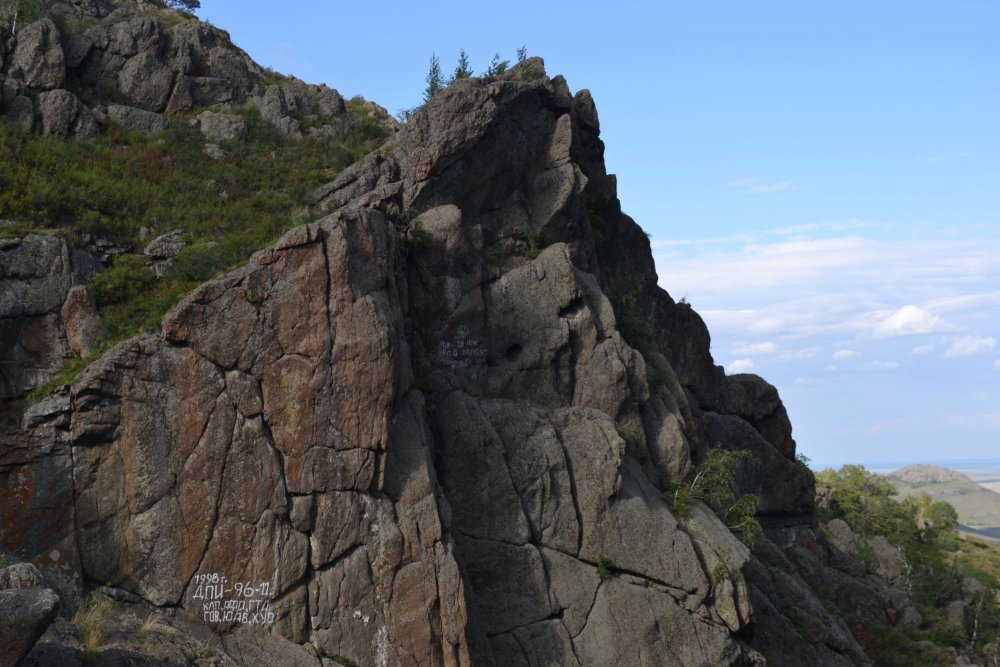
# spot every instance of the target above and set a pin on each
(418, 431)
(146, 63)
(37, 277)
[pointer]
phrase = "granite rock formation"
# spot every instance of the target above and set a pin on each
(416, 421)
(433, 426)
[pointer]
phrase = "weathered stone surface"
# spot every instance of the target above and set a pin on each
(277, 105)
(64, 116)
(20, 575)
(24, 616)
(38, 56)
(146, 81)
(655, 631)
(165, 246)
(76, 47)
(80, 320)
(221, 126)
(36, 274)
(216, 152)
(137, 120)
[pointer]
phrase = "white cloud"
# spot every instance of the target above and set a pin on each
(907, 321)
(996, 365)
(795, 355)
(844, 354)
(881, 365)
(922, 349)
(964, 346)
(766, 347)
(832, 367)
(753, 186)
(740, 366)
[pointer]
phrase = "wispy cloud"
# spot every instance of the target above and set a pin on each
(844, 354)
(965, 346)
(740, 366)
(908, 321)
(922, 349)
(753, 186)
(743, 349)
(881, 365)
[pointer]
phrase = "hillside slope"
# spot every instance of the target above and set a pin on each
(977, 507)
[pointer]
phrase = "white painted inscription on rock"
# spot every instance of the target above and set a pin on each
(462, 351)
(225, 601)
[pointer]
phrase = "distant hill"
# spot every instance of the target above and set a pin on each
(976, 505)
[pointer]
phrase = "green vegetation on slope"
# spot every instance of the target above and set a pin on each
(940, 567)
(128, 188)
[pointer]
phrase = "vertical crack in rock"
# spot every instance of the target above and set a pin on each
(573, 493)
(215, 513)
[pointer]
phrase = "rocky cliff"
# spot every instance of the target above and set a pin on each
(433, 426)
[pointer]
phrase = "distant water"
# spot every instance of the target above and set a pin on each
(987, 533)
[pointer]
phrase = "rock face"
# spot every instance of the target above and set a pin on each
(413, 432)
(37, 274)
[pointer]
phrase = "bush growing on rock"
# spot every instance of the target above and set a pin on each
(713, 482)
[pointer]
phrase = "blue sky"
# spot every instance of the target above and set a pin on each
(820, 180)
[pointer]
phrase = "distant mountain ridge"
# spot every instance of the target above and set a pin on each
(976, 505)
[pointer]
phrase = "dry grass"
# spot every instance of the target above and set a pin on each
(90, 621)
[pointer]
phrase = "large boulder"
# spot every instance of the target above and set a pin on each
(25, 614)
(277, 106)
(146, 81)
(139, 121)
(38, 57)
(221, 126)
(63, 115)
(20, 575)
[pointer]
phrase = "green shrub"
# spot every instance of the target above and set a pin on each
(533, 241)
(625, 301)
(597, 205)
(713, 481)
(604, 567)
